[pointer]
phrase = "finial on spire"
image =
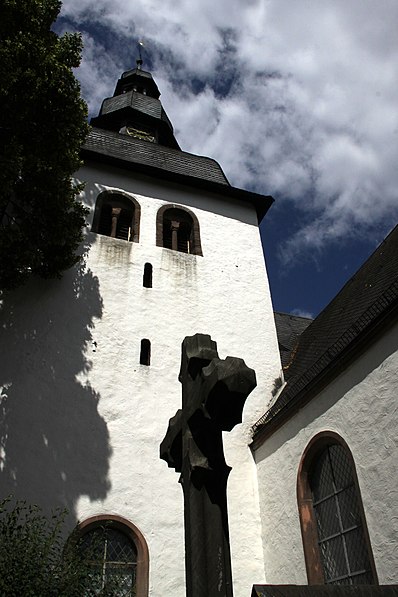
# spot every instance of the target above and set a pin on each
(140, 45)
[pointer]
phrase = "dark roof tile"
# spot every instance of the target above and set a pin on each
(167, 163)
(137, 151)
(370, 293)
(289, 328)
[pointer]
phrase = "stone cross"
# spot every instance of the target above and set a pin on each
(214, 392)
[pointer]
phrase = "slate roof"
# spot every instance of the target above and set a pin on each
(167, 163)
(138, 151)
(288, 329)
(365, 301)
(143, 103)
(134, 75)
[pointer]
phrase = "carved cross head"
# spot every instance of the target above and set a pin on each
(214, 392)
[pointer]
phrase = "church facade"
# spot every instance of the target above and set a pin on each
(329, 440)
(90, 375)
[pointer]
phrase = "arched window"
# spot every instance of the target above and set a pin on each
(335, 537)
(117, 554)
(117, 215)
(177, 228)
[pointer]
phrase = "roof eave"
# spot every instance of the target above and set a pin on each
(303, 396)
(262, 203)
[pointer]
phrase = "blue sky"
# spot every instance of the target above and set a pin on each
(293, 99)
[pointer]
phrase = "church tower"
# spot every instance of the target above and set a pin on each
(172, 249)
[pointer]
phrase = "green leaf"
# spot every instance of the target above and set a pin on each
(42, 128)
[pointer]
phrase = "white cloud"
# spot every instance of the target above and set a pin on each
(298, 99)
(300, 313)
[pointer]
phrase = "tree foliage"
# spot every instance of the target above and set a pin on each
(42, 127)
(35, 560)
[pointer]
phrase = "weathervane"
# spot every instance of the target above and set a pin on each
(140, 45)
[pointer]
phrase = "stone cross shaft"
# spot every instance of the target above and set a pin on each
(214, 392)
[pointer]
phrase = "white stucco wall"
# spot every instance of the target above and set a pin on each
(84, 419)
(361, 406)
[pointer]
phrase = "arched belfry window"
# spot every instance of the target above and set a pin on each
(177, 228)
(117, 215)
(117, 554)
(335, 538)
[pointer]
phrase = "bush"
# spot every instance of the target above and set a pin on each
(35, 561)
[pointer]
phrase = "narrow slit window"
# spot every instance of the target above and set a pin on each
(145, 353)
(148, 275)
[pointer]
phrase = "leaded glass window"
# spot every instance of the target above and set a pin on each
(112, 557)
(342, 545)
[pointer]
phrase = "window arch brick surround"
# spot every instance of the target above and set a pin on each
(117, 200)
(315, 566)
(131, 531)
(195, 244)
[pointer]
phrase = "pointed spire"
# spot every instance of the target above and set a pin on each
(139, 60)
(135, 108)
